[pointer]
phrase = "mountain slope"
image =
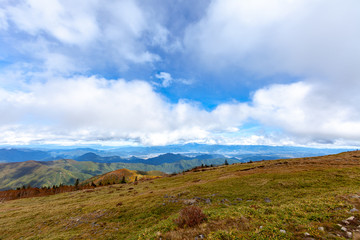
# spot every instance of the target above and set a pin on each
(280, 199)
(48, 173)
(38, 174)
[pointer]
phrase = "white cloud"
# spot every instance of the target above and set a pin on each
(3, 20)
(301, 110)
(312, 40)
(92, 109)
(299, 37)
(316, 41)
(75, 24)
(167, 80)
(96, 33)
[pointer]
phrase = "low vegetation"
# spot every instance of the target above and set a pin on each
(300, 198)
(190, 216)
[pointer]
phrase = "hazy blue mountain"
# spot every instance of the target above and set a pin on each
(166, 158)
(141, 154)
(90, 156)
(208, 156)
(20, 155)
(227, 150)
(163, 158)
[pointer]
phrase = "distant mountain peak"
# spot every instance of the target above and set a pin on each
(90, 154)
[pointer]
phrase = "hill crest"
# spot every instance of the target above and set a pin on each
(119, 175)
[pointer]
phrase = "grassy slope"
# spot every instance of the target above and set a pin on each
(305, 194)
(40, 174)
(117, 176)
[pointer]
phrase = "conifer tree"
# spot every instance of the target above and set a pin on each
(123, 180)
(76, 184)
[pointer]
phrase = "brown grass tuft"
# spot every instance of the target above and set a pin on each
(190, 216)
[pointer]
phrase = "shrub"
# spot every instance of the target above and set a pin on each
(190, 216)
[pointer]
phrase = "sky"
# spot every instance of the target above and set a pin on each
(158, 72)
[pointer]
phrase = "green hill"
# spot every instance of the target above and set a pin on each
(49, 173)
(38, 174)
(306, 198)
(116, 177)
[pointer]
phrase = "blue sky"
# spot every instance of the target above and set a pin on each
(273, 72)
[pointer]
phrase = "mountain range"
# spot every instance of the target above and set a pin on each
(47, 167)
(136, 154)
(163, 158)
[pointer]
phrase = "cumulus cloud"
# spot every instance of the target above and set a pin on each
(71, 25)
(97, 109)
(167, 80)
(92, 109)
(96, 33)
(298, 37)
(310, 40)
(298, 109)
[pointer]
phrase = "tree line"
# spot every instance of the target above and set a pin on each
(28, 191)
